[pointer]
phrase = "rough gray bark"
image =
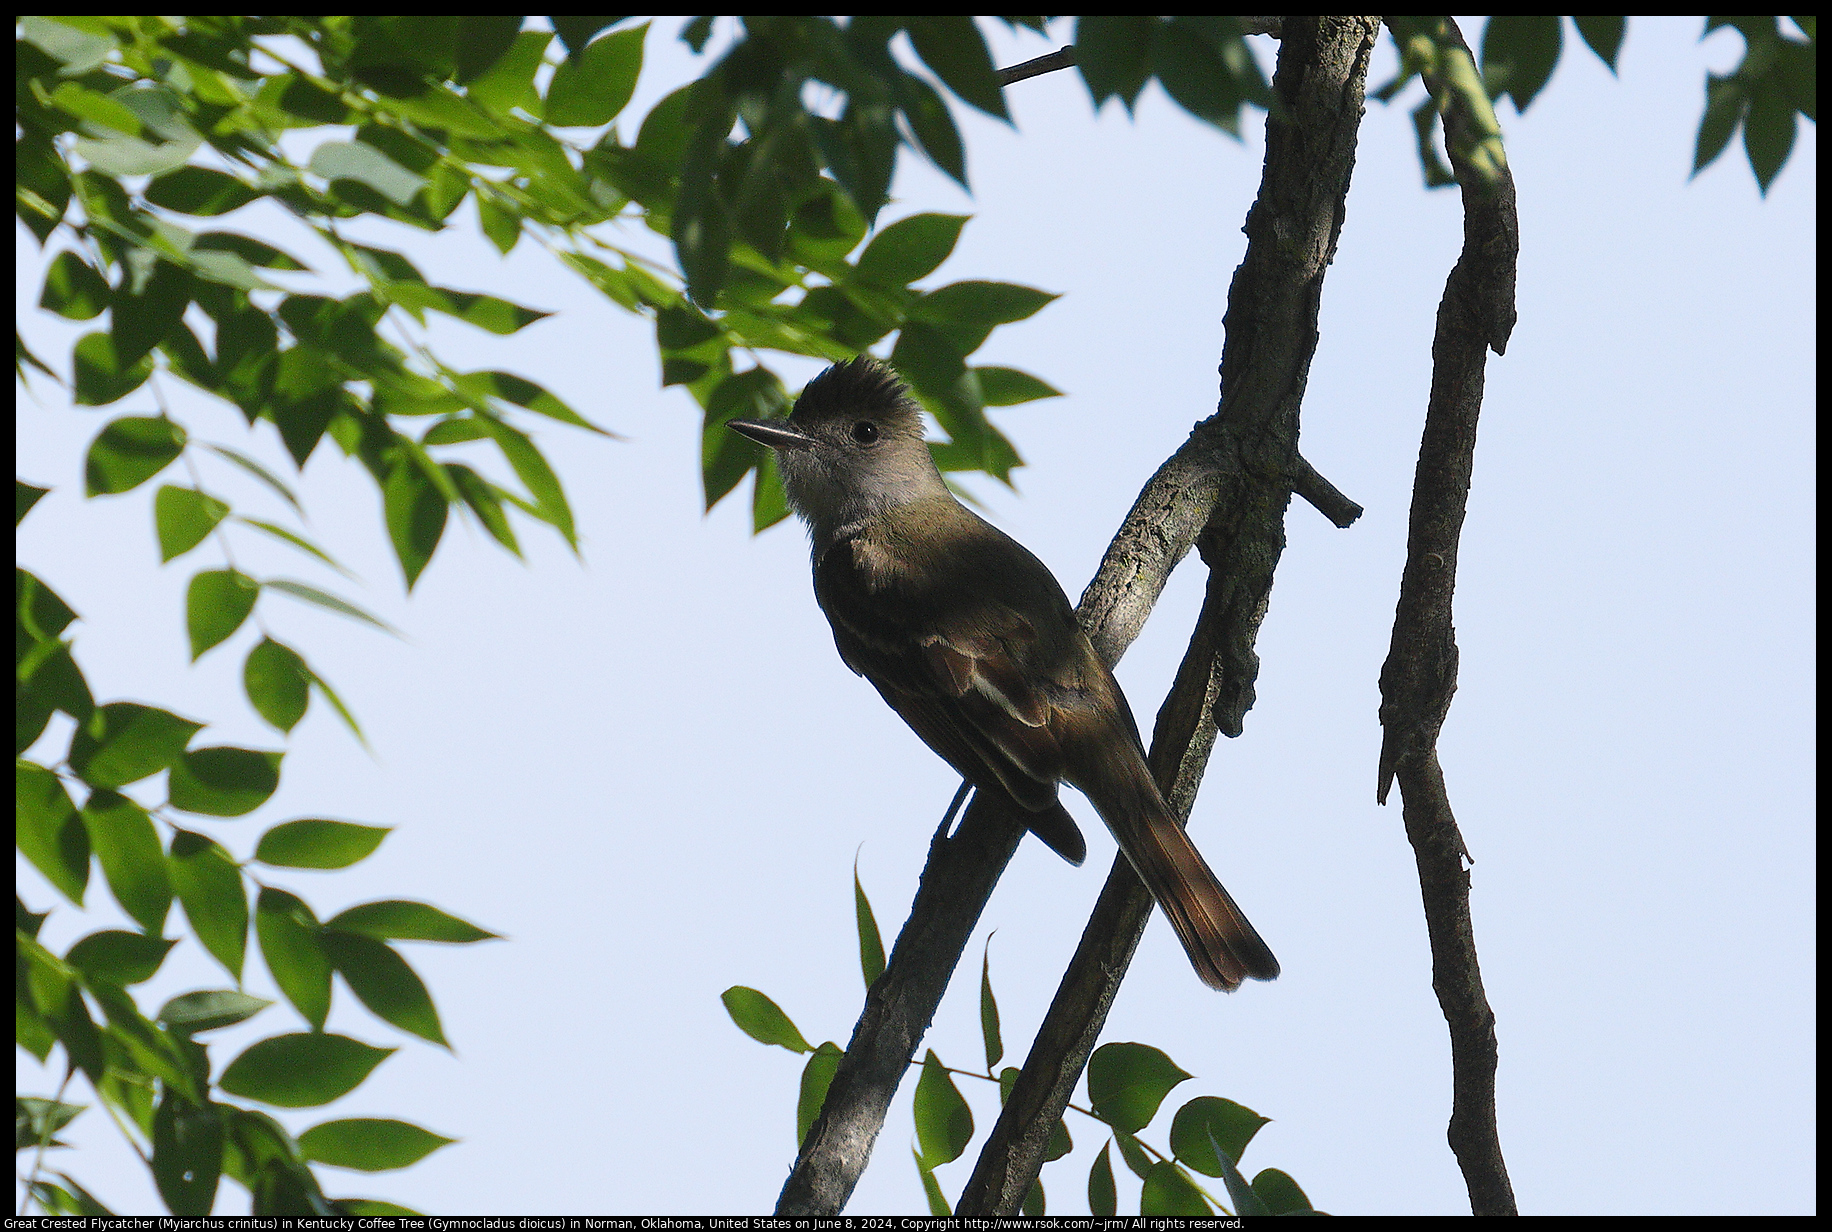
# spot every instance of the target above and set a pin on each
(1420, 675)
(1227, 488)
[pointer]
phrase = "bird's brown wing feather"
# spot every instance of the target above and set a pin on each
(952, 671)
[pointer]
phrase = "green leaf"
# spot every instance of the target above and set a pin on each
(1113, 55)
(48, 830)
(1009, 387)
(194, 1012)
(100, 110)
(278, 683)
(1133, 1152)
(134, 741)
(128, 849)
(931, 1189)
(301, 1071)
(316, 843)
(382, 980)
(534, 472)
(769, 501)
(79, 43)
(40, 613)
(415, 512)
(1168, 1190)
(592, 85)
(1768, 133)
(200, 191)
(215, 605)
(395, 920)
(187, 1154)
(485, 502)
(1280, 1193)
(1207, 1122)
(224, 781)
(989, 1012)
(1103, 1199)
(817, 1076)
(955, 50)
(1602, 35)
(289, 935)
(330, 602)
(1127, 1082)
(48, 680)
(375, 1206)
(73, 289)
(487, 312)
(944, 1123)
(510, 81)
(259, 472)
(1033, 1204)
(502, 226)
(725, 456)
(252, 252)
(932, 126)
(1246, 1201)
(979, 303)
(369, 1145)
(761, 1019)
(52, 988)
(1518, 55)
(293, 540)
(363, 163)
(871, 945)
(521, 392)
(910, 249)
(209, 885)
(129, 451)
(183, 517)
(25, 496)
(37, 1121)
(113, 956)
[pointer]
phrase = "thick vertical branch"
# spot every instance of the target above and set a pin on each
(1420, 674)
(1249, 451)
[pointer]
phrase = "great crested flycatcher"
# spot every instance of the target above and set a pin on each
(971, 640)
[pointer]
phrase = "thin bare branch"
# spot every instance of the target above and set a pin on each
(1420, 675)
(1062, 57)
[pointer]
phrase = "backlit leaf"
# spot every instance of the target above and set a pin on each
(1127, 1082)
(224, 781)
(762, 1019)
(301, 1071)
(129, 451)
(127, 847)
(209, 885)
(368, 1144)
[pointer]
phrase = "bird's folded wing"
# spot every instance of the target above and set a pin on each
(954, 666)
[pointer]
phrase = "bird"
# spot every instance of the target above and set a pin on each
(971, 640)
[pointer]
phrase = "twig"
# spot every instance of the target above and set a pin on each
(1420, 675)
(1062, 57)
(1323, 495)
(1237, 462)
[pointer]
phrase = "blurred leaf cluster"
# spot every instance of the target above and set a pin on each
(1776, 80)
(1126, 1088)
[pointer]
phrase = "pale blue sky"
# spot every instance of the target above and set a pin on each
(652, 773)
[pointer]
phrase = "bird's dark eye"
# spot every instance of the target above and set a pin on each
(865, 432)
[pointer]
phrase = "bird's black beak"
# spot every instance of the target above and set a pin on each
(776, 433)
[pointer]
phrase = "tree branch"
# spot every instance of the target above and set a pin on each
(1228, 486)
(1062, 57)
(955, 885)
(1417, 682)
